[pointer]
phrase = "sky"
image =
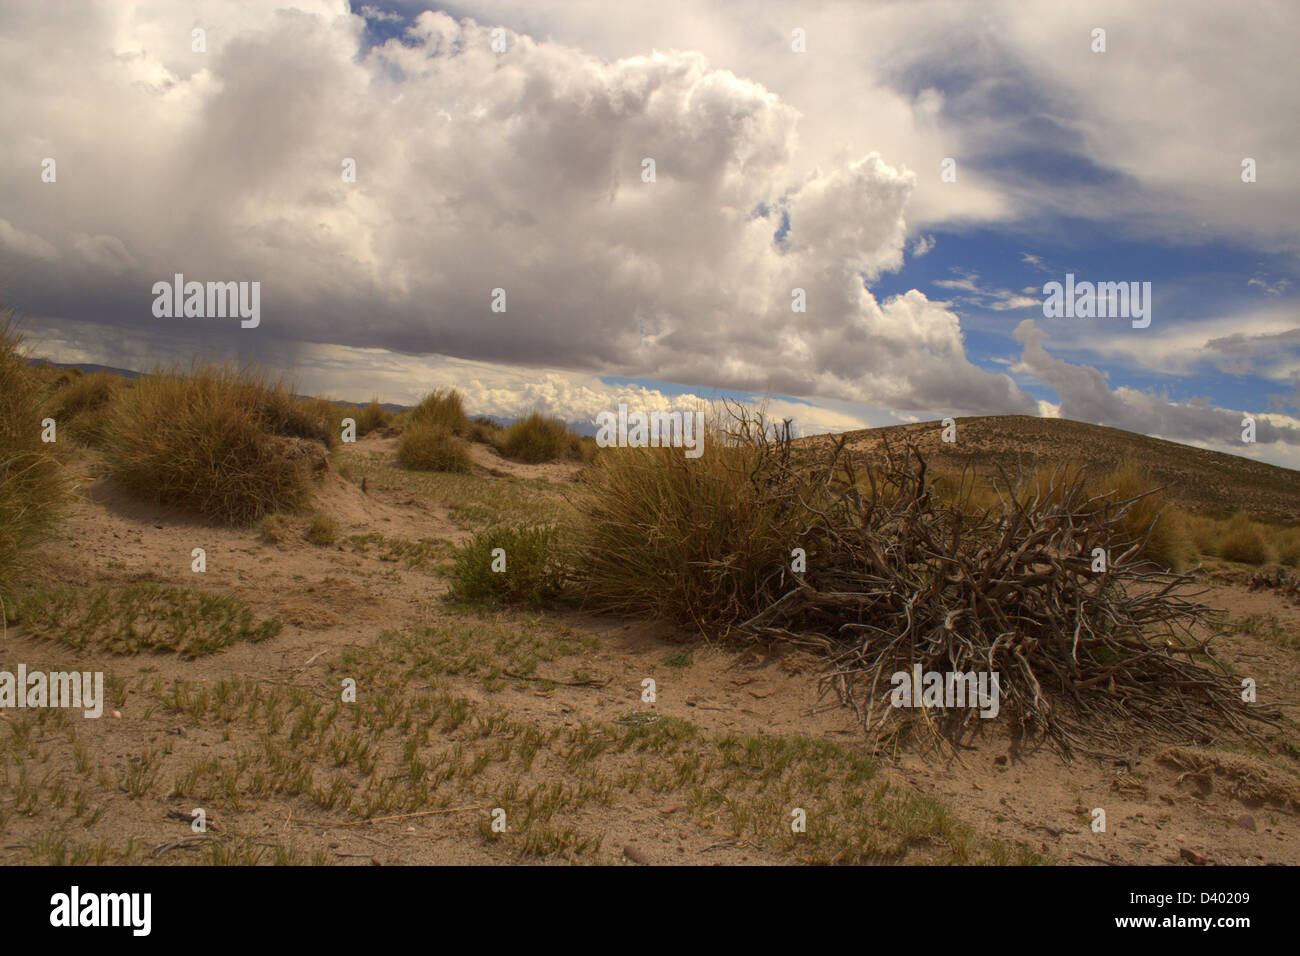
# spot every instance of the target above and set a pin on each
(915, 175)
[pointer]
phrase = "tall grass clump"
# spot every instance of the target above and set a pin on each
(484, 431)
(698, 541)
(526, 569)
(229, 444)
(537, 438)
(371, 418)
(433, 447)
(1243, 540)
(315, 419)
(1170, 544)
(965, 489)
(441, 408)
(1288, 547)
(80, 404)
(33, 488)
(1205, 532)
(322, 530)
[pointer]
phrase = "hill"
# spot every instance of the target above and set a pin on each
(1202, 481)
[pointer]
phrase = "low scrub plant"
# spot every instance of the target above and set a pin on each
(508, 565)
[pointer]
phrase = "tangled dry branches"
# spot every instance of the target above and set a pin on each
(897, 576)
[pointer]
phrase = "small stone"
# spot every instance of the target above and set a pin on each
(635, 855)
(1246, 822)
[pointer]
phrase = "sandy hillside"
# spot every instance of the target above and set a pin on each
(1199, 479)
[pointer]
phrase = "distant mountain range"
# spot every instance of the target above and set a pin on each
(124, 372)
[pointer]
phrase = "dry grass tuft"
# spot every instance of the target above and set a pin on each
(445, 409)
(537, 438)
(1151, 518)
(690, 540)
(80, 405)
(371, 418)
(1243, 540)
(433, 447)
(892, 575)
(33, 487)
(229, 444)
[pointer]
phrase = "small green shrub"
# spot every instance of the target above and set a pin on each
(276, 528)
(322, 530)
(531, 574)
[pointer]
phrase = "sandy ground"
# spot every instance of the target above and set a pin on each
(1225, 805)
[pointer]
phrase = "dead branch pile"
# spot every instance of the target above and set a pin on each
(1276, 579)
(1086, 650)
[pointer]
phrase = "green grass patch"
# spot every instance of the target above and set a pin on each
(473, 501)
(427, 554)
(490, 646)
(411, 743)
(143, 617)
